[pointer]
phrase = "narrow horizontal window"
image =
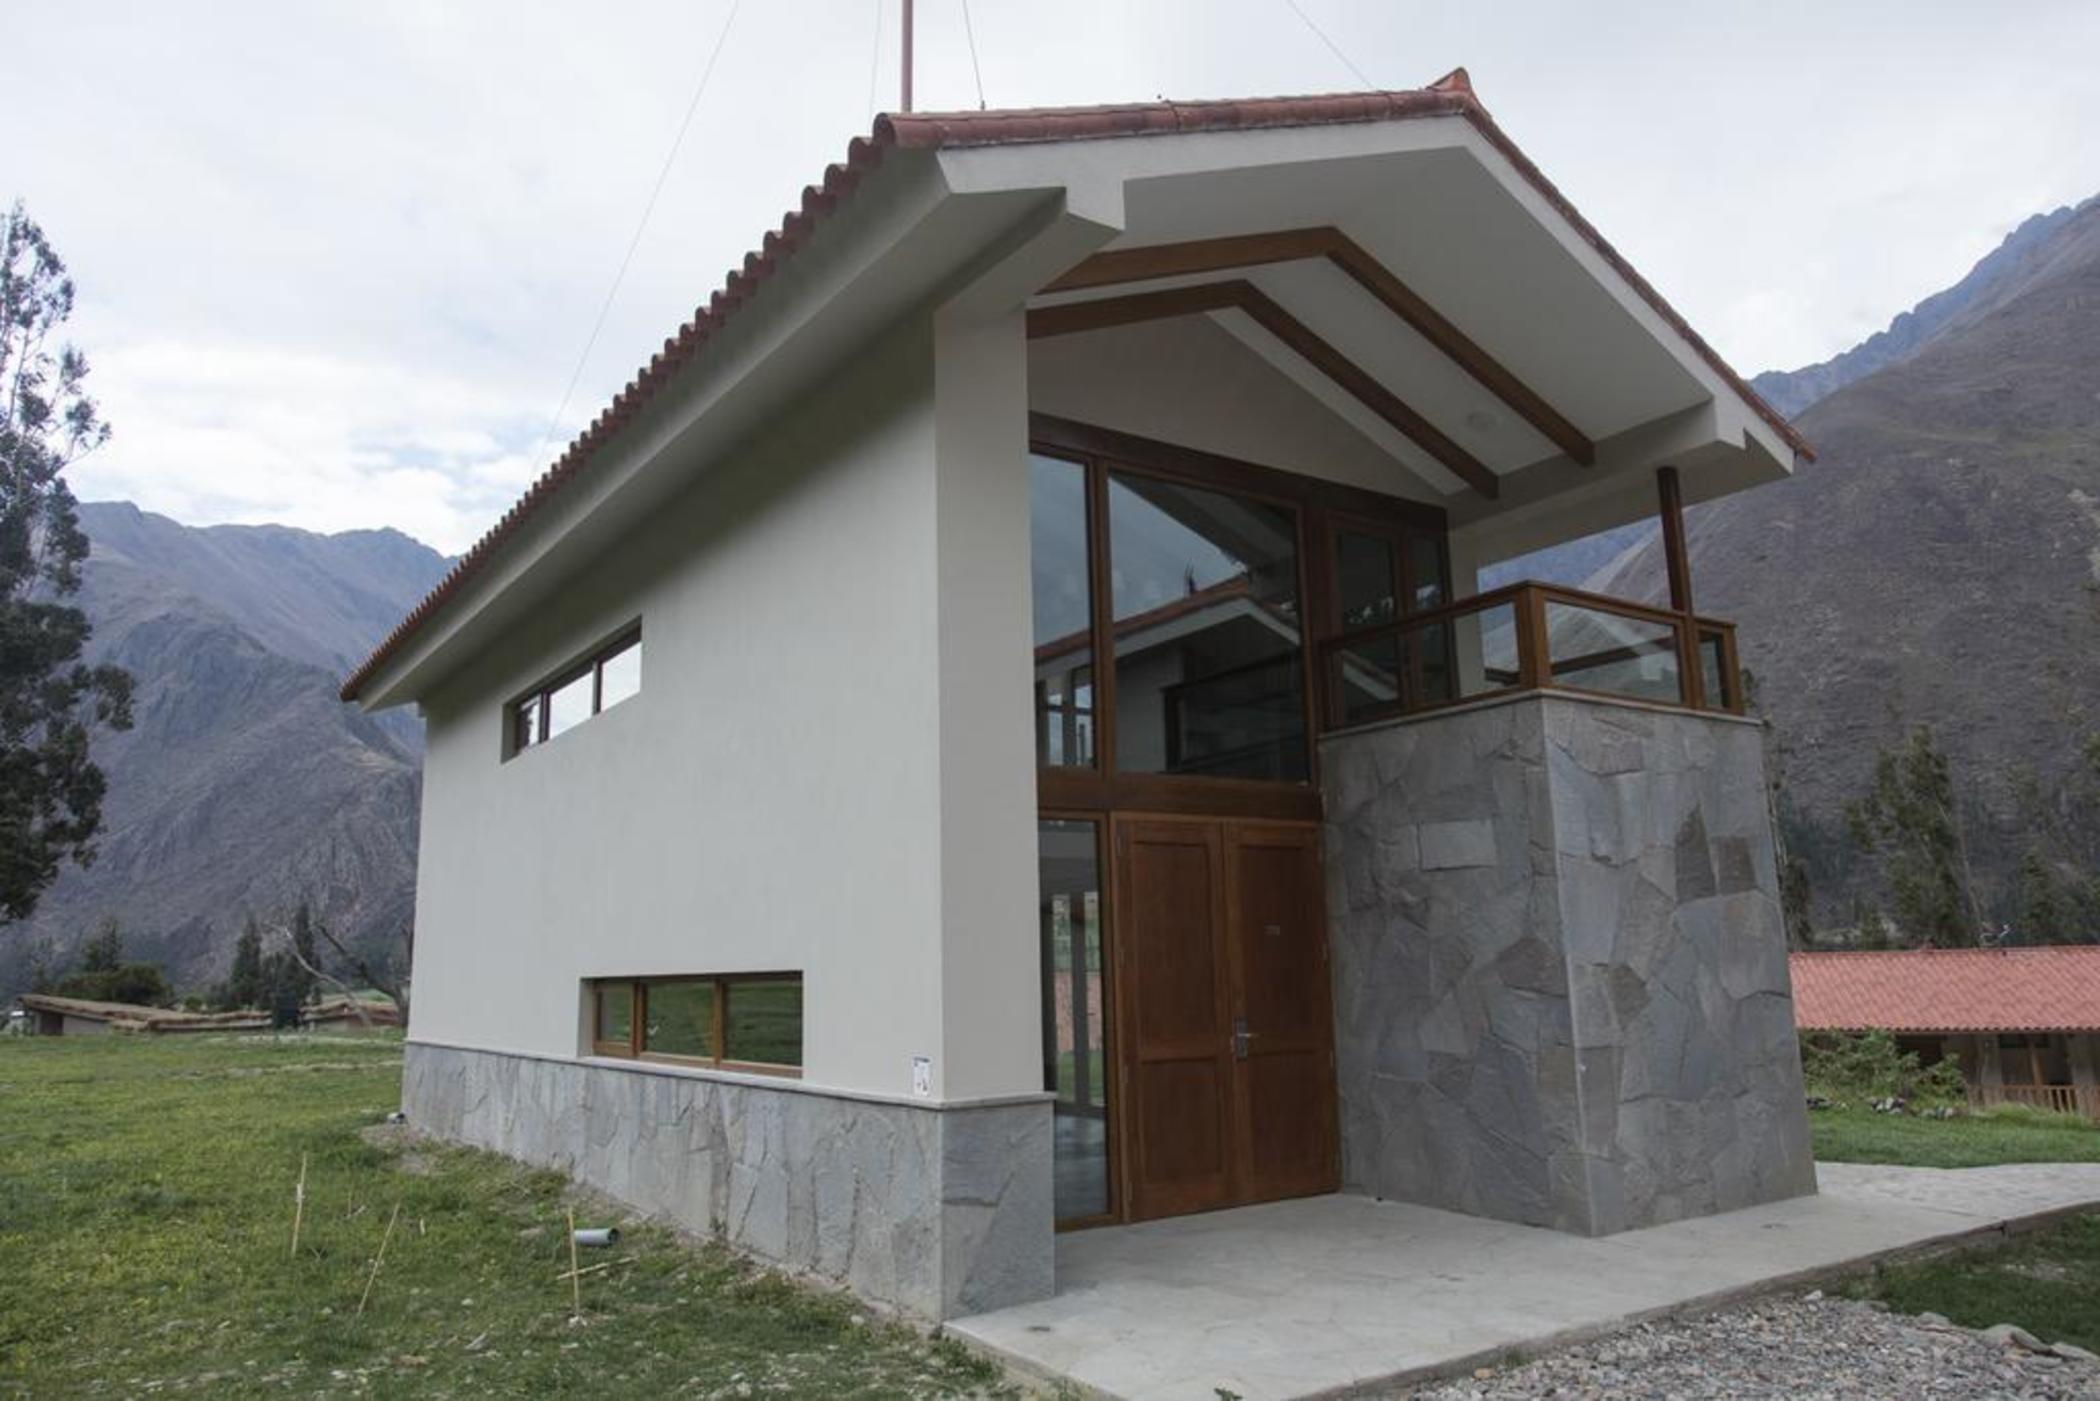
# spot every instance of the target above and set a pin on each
(576, 694)
(744, 1021)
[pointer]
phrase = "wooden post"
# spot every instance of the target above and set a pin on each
(1670, 494)
(1534, 647)
(1670, 508)
(905, 103)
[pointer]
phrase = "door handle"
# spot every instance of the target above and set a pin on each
(1241, 1038)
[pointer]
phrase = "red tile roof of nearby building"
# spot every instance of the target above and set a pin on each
(1949, 990)
(1450, 95)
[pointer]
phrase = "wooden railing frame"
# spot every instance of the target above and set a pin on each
(2061, 1099)
(1527, 602)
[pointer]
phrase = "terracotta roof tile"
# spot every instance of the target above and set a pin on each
(1949, 990)
(1451, 95)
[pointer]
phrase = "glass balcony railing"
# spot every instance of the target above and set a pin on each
(1530, 636)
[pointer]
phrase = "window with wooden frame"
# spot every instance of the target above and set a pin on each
(1380, 571)
(740, 1021)
(1179, 600)
(589, 687)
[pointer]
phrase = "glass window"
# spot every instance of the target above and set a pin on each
(680, 1019)
(525, 723)
(1364, 574)
(763, 1022)
(742, 1022)
(1426, 560)
(1208, 667)
(569, 704)
(1064, 659)
(1075, 1044)
(614, 1014)
(605, 680)
(620, 675)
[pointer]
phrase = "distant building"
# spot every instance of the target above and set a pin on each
(2023, 1023)
(79, 1016)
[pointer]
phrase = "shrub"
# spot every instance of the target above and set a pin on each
(1869, 1065)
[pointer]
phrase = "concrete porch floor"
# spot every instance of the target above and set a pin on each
(1332, 1295)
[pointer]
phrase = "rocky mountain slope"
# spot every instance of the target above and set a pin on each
(2030, 254)
(244, 784)
(1940, 563)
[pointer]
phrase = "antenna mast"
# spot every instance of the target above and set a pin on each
(906, 105)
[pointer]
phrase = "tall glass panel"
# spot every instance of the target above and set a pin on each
(1209, 676)
(1363, 566)
(1075, 1005)
(1064, 656)
(1426, 561)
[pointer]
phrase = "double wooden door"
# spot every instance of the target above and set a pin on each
(1228, 1048)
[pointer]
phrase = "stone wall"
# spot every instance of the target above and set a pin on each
(941, 1211)
(1560, 965)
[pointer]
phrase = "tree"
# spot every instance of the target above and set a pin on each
(140, 984)
(50, 701)
(302, 966)
(104, 976)
(389, 973)
(244, 986)
(2040, 915)
(105, 952)
(1910, 812)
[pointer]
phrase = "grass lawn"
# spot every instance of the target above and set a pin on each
(2047, 1282)
(2011, 1135)
(146, 1193)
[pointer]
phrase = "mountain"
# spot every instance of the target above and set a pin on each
(244, 783)
(2030, 254)
(1939, 563)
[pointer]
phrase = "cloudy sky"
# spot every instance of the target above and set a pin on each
(338, 262)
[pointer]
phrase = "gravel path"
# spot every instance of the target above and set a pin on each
(1809, 1347)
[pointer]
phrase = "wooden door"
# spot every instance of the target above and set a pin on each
(1177, 1001)
(1228, 1061)
(1284, 1007)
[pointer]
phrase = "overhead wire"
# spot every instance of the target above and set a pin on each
(875, 57)
(1332, 47)
(970, 33)
(627, 259)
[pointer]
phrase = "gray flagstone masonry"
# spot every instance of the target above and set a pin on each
(1560, 965)
(941, 1211)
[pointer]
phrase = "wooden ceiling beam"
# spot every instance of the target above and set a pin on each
(1071, 317)
(1292, 245)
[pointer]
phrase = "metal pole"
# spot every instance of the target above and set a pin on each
(906, 104)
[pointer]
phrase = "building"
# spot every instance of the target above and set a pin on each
(51, 1015)
(750, 894)
(2023, 1023)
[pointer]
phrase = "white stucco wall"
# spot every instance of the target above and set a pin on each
(829, 767)
(771, 799)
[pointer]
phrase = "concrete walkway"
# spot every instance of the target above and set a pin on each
(1333, 1294)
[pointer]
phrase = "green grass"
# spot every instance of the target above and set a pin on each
(145, 1226)
(2046, 1283)
(2007, 1135)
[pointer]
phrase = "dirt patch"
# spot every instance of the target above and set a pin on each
(400, 1141)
